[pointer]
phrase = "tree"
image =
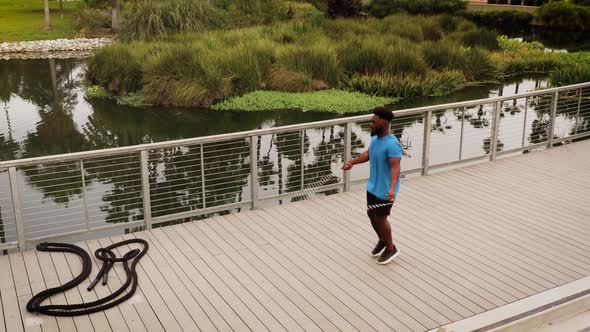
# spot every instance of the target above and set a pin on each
(47, 17)
(61, 9)
(115, 15)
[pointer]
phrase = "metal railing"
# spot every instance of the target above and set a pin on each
(143, 186)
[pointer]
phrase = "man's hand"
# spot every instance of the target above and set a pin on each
(391, 196)
(347, 166)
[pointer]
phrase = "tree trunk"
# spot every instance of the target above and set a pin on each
(47, 17)
(61, 9)
(115, 15)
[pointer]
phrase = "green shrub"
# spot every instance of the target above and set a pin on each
(382, 8)
(513, 44)
(177, 76)
(448, 23)
(575, 68)
(477, 66)
(565, 15)
(116, 69)
(372, 56)
(243, 13)
(442, 83)
(403, 26)
(317, 60)
(480, 38)
(366, 56)
(281, 79)
(92, 19)
(149, 19)
(570, 74)
(433, 83)
(443, 54)
(527, 61)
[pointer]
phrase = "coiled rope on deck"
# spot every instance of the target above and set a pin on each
(108, 257)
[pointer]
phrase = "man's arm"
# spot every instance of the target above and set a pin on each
(395, 165)
(362, 158)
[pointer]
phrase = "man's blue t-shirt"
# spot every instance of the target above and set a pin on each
(380, 150)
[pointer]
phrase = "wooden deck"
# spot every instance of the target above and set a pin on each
(471, 240)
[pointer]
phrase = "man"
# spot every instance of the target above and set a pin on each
(384, 154)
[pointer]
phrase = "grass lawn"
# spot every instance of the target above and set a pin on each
(23, 20)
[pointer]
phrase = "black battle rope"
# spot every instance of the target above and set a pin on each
(108, 257)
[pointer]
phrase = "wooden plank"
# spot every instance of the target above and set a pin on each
(99, 321)
(214, 320)
(264, 281)
(528, 231)
(394, 289)
(232, 300)
(10, 304)
(23, 291)
(453, 299)
(65, 324)
(476, 258)
(320, 316)
(476, 241)
(226, 319)
(260, 311)
(114, 315)
(340, 275)
(72, 296)
(193, 307)
(431, 247)
(419, 247)
(544, 194)
(49, 324)
(159, 304)
(327, 240)
(509, 228)
(2, 324)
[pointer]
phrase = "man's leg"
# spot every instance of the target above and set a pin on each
(384, 230)
(376, 228)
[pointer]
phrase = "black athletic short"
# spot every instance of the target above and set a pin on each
(382, 210)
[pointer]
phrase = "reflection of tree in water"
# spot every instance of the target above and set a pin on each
(438, 125)
(176, 183)
(330, 150)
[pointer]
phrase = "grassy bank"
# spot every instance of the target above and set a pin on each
(399, 56)
(23, 20)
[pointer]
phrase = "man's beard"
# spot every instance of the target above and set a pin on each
(376, 131)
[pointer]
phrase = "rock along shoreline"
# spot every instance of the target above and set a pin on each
(57, 48)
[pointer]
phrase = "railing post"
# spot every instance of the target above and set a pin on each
(145, 186)
(552, 119)
(204, 193)
(84, 201)
(426, 145)
(495, 130)
(253, 172)
(462, 134)
(347, 153)
(578, 113)
(16, 205)
(526, 109)
(302, 151)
